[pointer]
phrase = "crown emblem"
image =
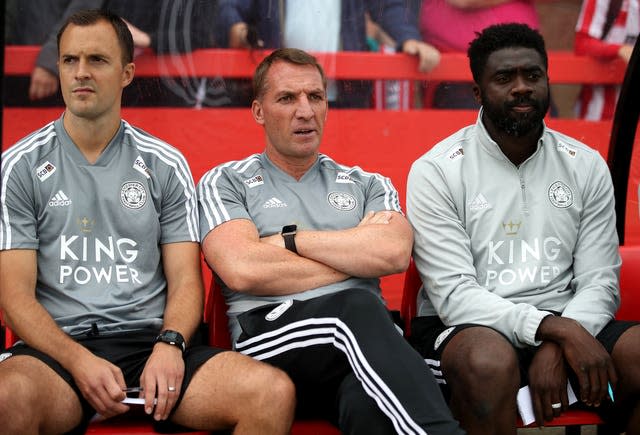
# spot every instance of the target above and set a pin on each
(86, 224)
(511, 228)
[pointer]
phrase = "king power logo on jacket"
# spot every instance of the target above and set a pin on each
(516, 260)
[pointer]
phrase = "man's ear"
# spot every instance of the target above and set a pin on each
(257, 112)
(127, 74)
(477, 94)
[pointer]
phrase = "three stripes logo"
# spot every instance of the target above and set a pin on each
(59, 200)
(274, 203)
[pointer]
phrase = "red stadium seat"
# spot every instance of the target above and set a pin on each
(629, 309)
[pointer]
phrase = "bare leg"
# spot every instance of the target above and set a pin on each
(481, 368)
(626, 354)
(233, 390)
(34, 399)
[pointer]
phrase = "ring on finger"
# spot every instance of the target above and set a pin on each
(556, 405)
(171, 389)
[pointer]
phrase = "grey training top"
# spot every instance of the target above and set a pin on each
(97, 227)
(503, 245)
(329, 196)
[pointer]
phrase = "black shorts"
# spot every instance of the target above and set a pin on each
(127, 350)
(429, 336)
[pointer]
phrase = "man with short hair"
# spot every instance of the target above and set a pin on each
(101, 268)
(515, 241)
(299, 242)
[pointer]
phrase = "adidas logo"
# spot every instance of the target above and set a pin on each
(479, 203)
(274, 203)
(59, 200)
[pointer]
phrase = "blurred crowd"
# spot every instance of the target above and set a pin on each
(606, 29)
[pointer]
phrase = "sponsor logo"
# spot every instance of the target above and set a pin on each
(133, 195)
(529, 262)
(344, 178)
(88, 260)
(140, 166)
(442, 337)
(59, 200)
(479, 203)
(279, 310)
(511, 228)
(45, 170)
(456, 153)
(274, 203)
(571, 152)
(560, 195)
(342, 201)
(258, 180)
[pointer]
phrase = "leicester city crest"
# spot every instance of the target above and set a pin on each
(342, 201)
(560, 195)
(133, 195)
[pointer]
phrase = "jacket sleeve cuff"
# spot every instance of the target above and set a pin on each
(531, 327)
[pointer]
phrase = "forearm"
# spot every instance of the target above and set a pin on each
(556, 329)
(367, 251)
(267, 270)
(28, 319)
(183, 312)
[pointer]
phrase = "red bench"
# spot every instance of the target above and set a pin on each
(629, 309)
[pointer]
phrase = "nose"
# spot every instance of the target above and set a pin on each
(82, 69)
(304, 109)
(521, 85)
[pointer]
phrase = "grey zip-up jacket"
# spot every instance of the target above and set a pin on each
(503, 245)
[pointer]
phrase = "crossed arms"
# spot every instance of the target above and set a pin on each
(379, 245)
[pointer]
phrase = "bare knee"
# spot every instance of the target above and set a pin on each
(275, 390)
(18, 401)
(626, 354)
(482, 370)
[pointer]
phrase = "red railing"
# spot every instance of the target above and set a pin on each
(564, 67)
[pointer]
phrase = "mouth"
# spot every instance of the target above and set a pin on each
(303, 132)
(523, 106)
(82, 91)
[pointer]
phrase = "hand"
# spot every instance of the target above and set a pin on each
(238, 36)
(101, 383)
(428, 55)
(43, 84)
(140, 39)
(586, 356)
(164, 370)
(625, 52)
(548, 382)
(380, 217)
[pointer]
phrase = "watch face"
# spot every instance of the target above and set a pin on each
(170, 335)
(289, 229)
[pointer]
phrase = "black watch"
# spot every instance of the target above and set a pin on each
(289, 236)
(173, 338)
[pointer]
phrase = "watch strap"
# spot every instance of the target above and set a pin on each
(290, 242)
(173, 338)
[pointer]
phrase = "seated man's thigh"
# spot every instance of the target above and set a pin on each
(32, 393)
(479, 355)
(230, 385)
(625, 355)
